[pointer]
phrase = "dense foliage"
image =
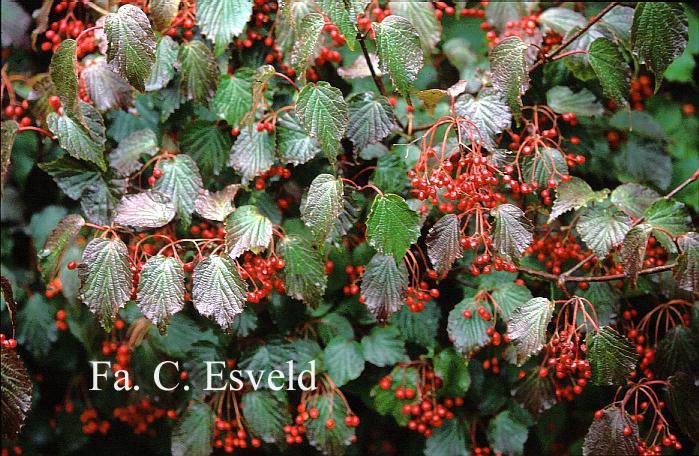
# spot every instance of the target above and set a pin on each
(477, 218)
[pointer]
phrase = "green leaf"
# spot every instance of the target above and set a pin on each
(390, 174)
(304, 271)
(452, 368)
(398, 48)
(619, 20)
(329, 441)
(323, 113)
(198, 70)
(207, 145)
(384, 346)
(418, 327)
(164, 66)
(384, 285)
(540, 167)
(573, 194)
(43, 222)
(105, 278)
(392, 227)
(266, 412)
(162, 12)
(161, 289)
(606, 435)
(634, 250)
(682, 391)
(371, 119)
(333, 325)
(510, 74)
(36, 327)
(467, 334)
(562, 20)
(659, 35)
(131, 44)
(252, 154)
(222, 20)
(308, 33)
(603, 228)
(194, 432)
(611, 69)
(422, 16)
(16, 387)
(61, 238)
(451, 437)
(64, 77)
(509, 296)
(343, 360)
(106, 89)
(293, 144)
(85, 142)
(323, 205)
(216, 205)
(670, 216)
(181, 182)
(677, 351)
(686, 272)
(343, 18)
(100, 199)
(526, 328)
(646, 161)
(506, 434)
(535, 394)
(583, 103)
(612, 357)
(488, 112)
(513, 232)
(443, 246)
(634, 198)
(9, 131)
(182, 335)
(247, 229)
(218, 292)
(233, 99)
(125, 159)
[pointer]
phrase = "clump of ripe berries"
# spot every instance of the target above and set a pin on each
(92, 424)
(280, 171)
(262, 272)
(566, 365)
(230, 434)
(61, 323)
(141, 415)
(18, 111)
(183, 23)
(7, 342)
(74, 20)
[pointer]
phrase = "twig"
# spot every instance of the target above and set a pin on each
(681, 187)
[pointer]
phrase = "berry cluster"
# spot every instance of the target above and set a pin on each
(555, 249)
(262, 273)
(141, 415)
(54, 288)
(92, 424)
(526, 28)
(282, 172)
(183, 23)
(230, 434)
(61, 317)
(7, 342)
(566, 365)
(354, 274)
(18, 111)
(73, 22)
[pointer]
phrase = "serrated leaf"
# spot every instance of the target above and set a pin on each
(526, 327)
(222, 20)
(61, 238)
(323, 205)
(198, 70)
(513, 232)
(686, 272)
(100, 199)
(105, 278)
(216, 205)
(106, 89)
(646, 161)
(371, 119)
(293, 143)
(659, 35)
(125, 158)
(452, 368)
(606, 435)
(579, 64)
(603, 228)
(343, 360)
(570, 195)
(252, 154)
(85, 142)
(247, 229)
(509, 296)
(16, 392)
(611, 69)
(164, 66)
(384, 346)
(149, 209)
(418, 327)
(612, 357)
(450, 438)
(443, 246)
(510, 74)
(343, 18)
(422, 16)
(131, 44)
(670, 216)
(390, 174)
(384, 284)
(535, 394)
(334, 325)
(488, 112)
(682, 390)
(9, 132)
(467, 334)
(163, 12)
(218, 292)
(233, 99)
(304, 271)
(392, 227)
(399, 51)
(36, 326)
(193, 434)
(64, 76)
(677, 351)
(207, 145)
(634, 250)
(323, 113)
(329, 441)
(181, 182)
(583, 103)
(540, 168)
(561, 20)
(266, 412)
(506, 434)
(161, 289)
(308, 33)
(634, 198)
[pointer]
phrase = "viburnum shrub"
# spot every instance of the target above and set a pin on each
(475, 220)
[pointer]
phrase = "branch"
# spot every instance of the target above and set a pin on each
(681, 187)
(548, 57)
(605, 278)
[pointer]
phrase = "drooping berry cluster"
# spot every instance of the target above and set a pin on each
(141, 415)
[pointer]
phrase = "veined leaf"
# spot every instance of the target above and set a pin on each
(85, 142)
(323, 205)
(233, 99)
(506, 434)
(342, 17)
(125, 159)
(308, 33)
(58, 242)
(612, 357)
(384, 346)
(247, 229)
(163, 12)
(392, 227)
(677, 351)
(131, 49)
(64, 77)
(646, 161)
(398, 48)
(611, 69)
(293, 143)
(583, 103)
(182, 182)
(207, 145)
(603, 228)
(252, 154)
(573, 194)
(161, 290)
(422, 16)
(216, 205)
(36, 328)
(105, 88)
(72, 176)
(488, 112)
(164, 66)
(194, 432)
(9, 132)
(100, 199)
(606, 435)
(468, 334)
(384, 284)
(508, 296)
(670, 216)
(513, 232)
(266, 412)
(686, 271)
(149, 209)
(329, 441)
(526, 327)
(443, 246)
(451, 438)
(371, 119)
(105, 278)
(452, 368)
(633, 198)
(418, 327)
(222, 20)
(634, 249)
(562, 20)
(323, 112)
(510, 74)
(16, 392)
(540, 167)
(218, 292)
(304, 271)
(198, 70)
(343, 360)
